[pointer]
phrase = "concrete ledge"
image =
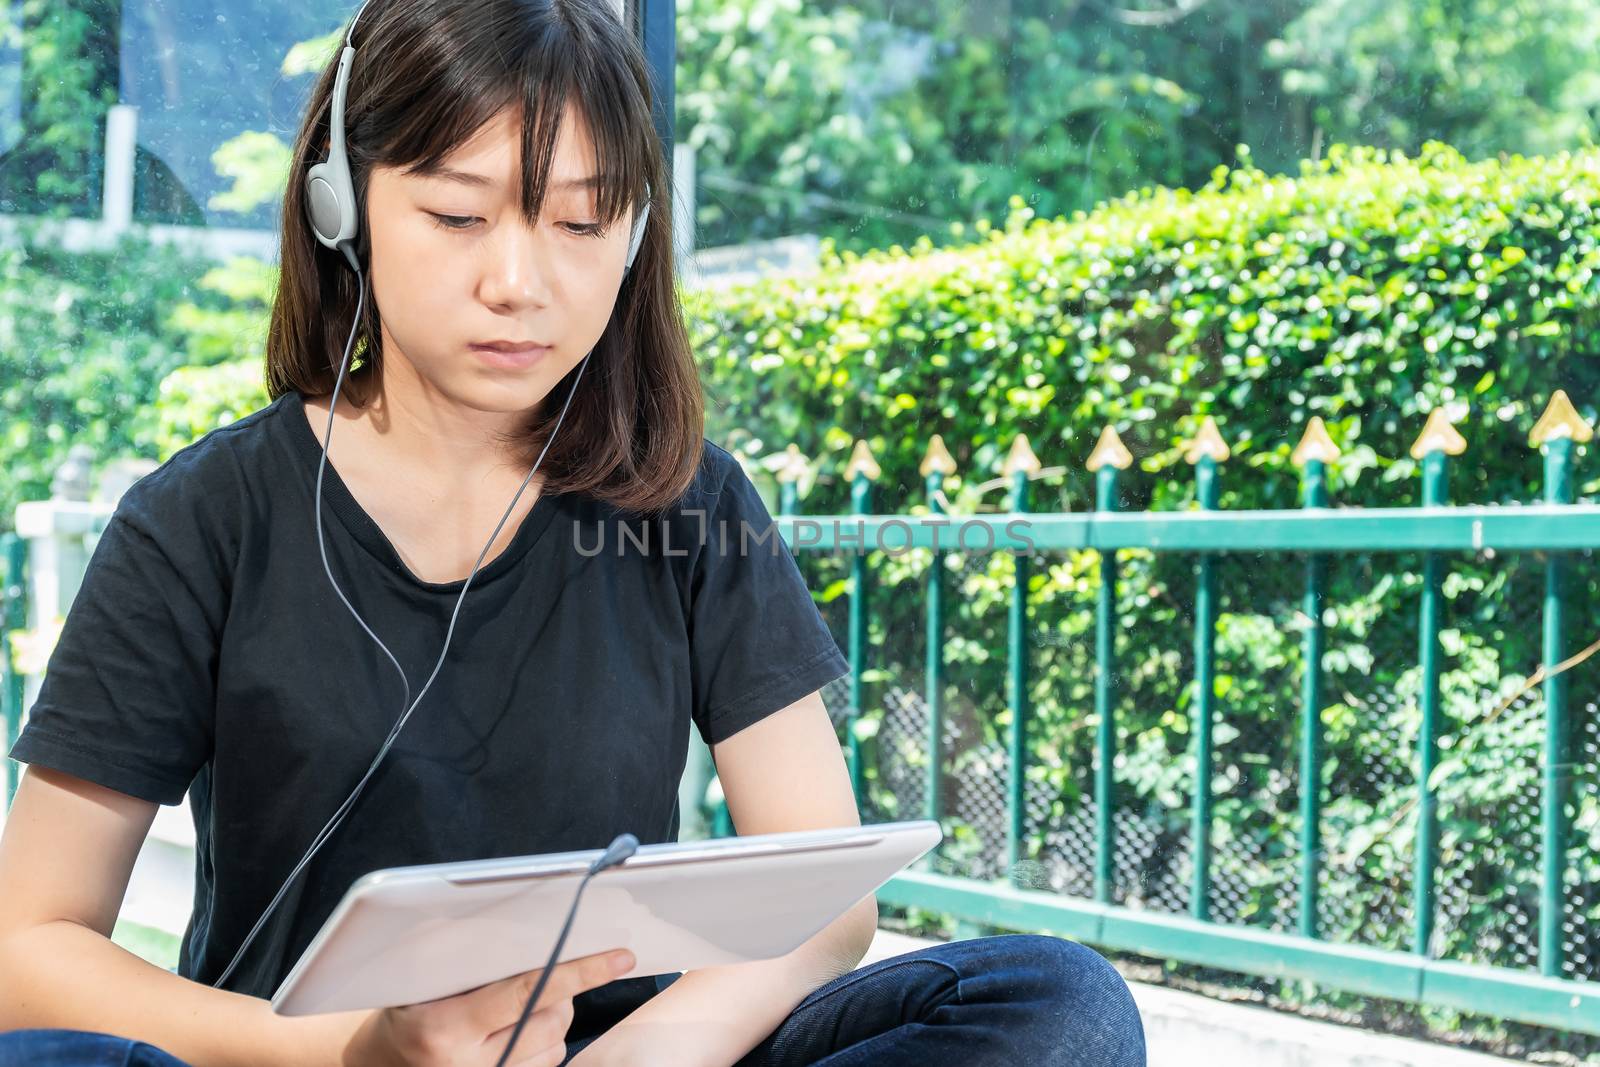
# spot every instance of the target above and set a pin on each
(1188, 1030)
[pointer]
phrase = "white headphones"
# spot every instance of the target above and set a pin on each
(330, 193)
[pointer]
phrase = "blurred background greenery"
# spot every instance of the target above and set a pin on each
(872, 125)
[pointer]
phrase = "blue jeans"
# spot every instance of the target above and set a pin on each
(1008, 999)
(78, 1048)
(1003, 1000)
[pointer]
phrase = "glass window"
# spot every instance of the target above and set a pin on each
(201, 72)
(10, 74)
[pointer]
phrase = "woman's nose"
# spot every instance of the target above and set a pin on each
(518, 269)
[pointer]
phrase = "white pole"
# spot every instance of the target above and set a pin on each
(122, 124)
(683, 189)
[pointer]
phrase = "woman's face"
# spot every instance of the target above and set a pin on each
(455, 266)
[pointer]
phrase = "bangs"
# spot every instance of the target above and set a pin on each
(432, 74)
(536, 62)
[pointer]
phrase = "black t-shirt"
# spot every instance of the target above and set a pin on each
(206, 651)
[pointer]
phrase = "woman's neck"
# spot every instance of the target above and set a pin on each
(421, 429)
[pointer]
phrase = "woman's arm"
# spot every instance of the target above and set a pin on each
(65, 858)
(785, 772)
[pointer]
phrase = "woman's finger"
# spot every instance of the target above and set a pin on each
(545, 1032)
(499, 1004)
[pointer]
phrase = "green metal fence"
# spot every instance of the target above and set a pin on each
(1252, 848)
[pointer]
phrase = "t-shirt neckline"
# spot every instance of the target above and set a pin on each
(336, 495)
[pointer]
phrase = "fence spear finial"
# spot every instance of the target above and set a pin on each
(1208, 443)
(1109, 451)
(937, 459)
(861, 462)
(1560, 419)
(1438, 435)
(1020, 458)
(1315, 444)
(794, 465)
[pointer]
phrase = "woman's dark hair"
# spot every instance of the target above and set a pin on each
(428, 74)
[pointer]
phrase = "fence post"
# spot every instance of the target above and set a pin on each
(14, 617)
(862, 470)
(1438, 441)
(1205, 452)
(1109, 457)
(1558, 433)
(936, 464)
(1312, 455)
(1019, 466)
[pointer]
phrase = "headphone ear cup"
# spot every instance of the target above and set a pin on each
(330, 194)
(331, 203)
(638, 237)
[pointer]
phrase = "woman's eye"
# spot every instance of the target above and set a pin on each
(466, 222)
(453, 222)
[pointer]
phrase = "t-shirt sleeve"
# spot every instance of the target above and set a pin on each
(128, 692)
(757, 641)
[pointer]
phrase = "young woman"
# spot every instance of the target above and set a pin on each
(501, 151)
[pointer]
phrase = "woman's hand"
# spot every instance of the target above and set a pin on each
(471, 1029)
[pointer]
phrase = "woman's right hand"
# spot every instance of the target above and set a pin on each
(471, 1029)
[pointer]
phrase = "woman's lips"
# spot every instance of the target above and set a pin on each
(511, 358)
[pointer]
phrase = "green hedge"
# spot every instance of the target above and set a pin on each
(1368, 290)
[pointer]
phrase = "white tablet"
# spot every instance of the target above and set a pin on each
(410, 934)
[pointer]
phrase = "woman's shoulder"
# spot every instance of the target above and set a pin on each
(714, 495)
(208, 482)
(721, 490)
(715, 470)
(717, 466)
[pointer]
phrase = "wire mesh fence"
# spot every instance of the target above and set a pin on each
(1487, 788)
(1580, 933)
